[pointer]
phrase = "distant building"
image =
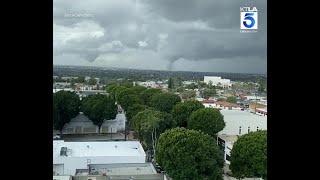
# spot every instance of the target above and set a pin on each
(216, 81)
(148, 84)
(85, 87)
(189, 83)
(71, 158)
(69, 78)
(65, 89)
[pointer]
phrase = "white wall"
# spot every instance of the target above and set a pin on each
(58, 169)
(73, 163)
(227, 150)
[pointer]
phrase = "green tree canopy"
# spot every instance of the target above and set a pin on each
(147, 94)
(92, 81)
(165, 101)
(189, 154)
(150, 123)
(138, 89)
(231, 99)
(109, 87)
(170, 83)
(128, 100)
(221, 99)
(98, 108)
(249, 155)
(209, 93)
(188, 94)
(208, 120)
(81, 79)
(182, 111)
(66, 105)
(133, 110)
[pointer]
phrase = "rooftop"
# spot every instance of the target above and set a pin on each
(227, 104)
(229, 138)
(236, 118)
(85, 149)
(124, 169)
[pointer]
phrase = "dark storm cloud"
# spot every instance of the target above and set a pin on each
(162, 32)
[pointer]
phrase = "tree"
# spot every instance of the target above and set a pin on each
(221, 99)
(98, 108)
(210, 84)
(202, 84)
(209, 93)
(147, 94)
(231, 99)
(170, 84)
(109, 87)
(189, 154)
(188, 94)
(138, 89)
(66, 105)
(180, 89)
(165, 101)
(208, 120)
(116, 91)
(128, 100)
(81, 79)
(150, 123)
(133, 110)
(249, 155)
(92, 81)
(182, 111)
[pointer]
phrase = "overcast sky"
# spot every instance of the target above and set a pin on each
(188, 35)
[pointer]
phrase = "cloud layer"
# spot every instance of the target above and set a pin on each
(185, 35)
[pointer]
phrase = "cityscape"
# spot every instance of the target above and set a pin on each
(157, 93)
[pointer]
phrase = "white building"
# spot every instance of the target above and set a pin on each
(148, 84)
(83, 125)
(225, 142)
(65, 89)
(70, 157)
(242, 122)
(216, 80)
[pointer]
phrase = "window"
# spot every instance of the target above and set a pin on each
(248, 129)
(228, 157)
(240, 130)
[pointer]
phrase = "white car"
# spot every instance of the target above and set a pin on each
(56, 136)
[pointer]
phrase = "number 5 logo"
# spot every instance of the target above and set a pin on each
(248, 17)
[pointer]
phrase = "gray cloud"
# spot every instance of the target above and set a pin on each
(164, 34)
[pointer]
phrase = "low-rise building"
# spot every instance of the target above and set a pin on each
(71, 158)
(81, 124)
(225, 143)
(242, 122)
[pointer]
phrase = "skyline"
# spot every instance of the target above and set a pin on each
(159, 35)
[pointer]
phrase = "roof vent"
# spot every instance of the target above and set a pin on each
(63, 151)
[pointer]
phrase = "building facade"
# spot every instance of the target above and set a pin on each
(83, 125)
(217, 81)
(70, 158)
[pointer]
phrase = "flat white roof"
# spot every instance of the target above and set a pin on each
(125, 169)
(87, 149)
(236, 118)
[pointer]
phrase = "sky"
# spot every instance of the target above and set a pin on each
(177, 35)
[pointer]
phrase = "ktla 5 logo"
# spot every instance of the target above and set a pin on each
(248, 18)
